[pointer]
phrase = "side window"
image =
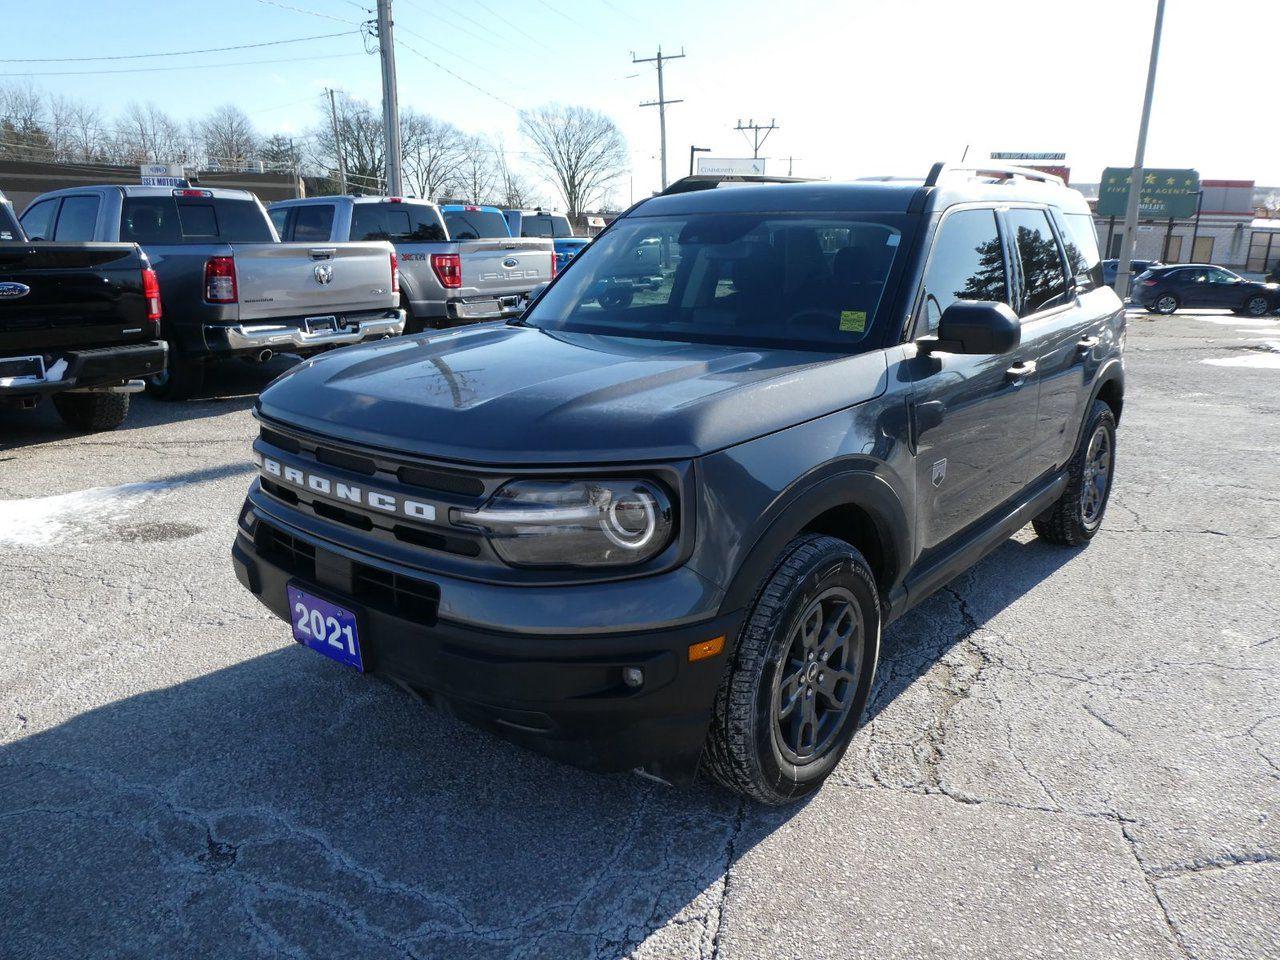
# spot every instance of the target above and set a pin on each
(1044, 280)
(535, 226)
(199, 221)
(428, 226)
(278, 215)
(77, 220)
(150, 220)
(313, 222)
(967, 263)
(37, 221)
(1082, 249)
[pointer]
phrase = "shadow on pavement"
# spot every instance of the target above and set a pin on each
(230, 386)
(285, 805)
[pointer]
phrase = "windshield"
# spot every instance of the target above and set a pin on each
(544, 225)
(475, 224)
(814, 282)
(398, 222)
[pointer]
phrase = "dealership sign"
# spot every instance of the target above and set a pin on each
(1024, 155)
(162, 175)
(730, 166)
(1166, 194)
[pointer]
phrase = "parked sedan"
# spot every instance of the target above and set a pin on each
(1170, 288)
(1111, 267)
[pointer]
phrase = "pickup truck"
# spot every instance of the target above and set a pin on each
(547, 223)
(446, 278)
(78, 323)
(230, 287)
(668, 534)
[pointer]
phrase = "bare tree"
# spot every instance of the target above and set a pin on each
(146, 134)
(513, 188)
(86, 133)
(227, 135)
(477, 175)
(23, 131)
(433, 153)
(579, 149)
(360, 133)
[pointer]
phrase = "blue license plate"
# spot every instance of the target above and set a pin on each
(325, 627)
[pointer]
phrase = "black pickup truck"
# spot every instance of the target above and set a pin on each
(78, 322)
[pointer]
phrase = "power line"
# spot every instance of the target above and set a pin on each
(458, 56)
(178, 53)
(497, 37)
(191, 66)
(441, 66)
(314, 13)
(511, 26)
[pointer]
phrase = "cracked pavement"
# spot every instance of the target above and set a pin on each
(1069, 753)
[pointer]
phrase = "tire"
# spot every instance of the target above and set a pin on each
(616, 298)
(92, 411)
(1077, 515)
(752, 741)
(412, 324)
(1257, 306)
(181, 378)
(1166, 304)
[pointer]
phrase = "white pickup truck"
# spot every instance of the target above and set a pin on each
(444, 281)
(229, 286)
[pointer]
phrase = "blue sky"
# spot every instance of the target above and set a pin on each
(857, 86)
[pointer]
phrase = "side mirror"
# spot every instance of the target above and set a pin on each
(975, 327)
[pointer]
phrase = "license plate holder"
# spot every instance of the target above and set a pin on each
(326, 324)
(325, 627)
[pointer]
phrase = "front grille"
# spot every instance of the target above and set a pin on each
(295, 556)
(346, 461)
(445, 481)
(407, 597)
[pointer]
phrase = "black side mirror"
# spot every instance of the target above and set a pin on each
(975, 327)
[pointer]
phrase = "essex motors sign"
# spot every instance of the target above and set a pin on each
(1166, 194)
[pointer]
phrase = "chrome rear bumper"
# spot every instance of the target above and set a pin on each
(283, 336)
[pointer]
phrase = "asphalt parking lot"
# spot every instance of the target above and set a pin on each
(1071, 753)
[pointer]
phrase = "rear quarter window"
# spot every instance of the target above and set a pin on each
(399, 223)
(1081, 239)
(476, 224)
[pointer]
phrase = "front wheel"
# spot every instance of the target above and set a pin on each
(793, 695)
(1167, 304)
(1257, 306)
(1076, 516)
(616, 299)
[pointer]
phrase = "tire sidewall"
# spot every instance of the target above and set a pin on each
(1172, 309)
(1101, 414)
(831, 569)
(1257, 298)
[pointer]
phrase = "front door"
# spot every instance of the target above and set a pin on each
(973, 417)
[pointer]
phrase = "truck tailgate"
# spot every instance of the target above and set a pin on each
(503, 266)
(60, 294)
(306, 279)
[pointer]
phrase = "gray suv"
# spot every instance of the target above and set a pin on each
(667, 531)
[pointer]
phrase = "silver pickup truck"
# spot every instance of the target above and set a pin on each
(443, 282)
(229, 286)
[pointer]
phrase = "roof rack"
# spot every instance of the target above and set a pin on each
(997, 170)
(709, 181)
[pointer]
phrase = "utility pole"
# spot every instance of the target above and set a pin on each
(661, 103)
(390, 101)
(1135, 178)
(337, 143)
(756, 129)
(692, 151)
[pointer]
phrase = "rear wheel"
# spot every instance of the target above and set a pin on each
(616, 298)
(181, 378)
(793, 695)
(1167, 303)
(92, 411)
(1077, 514)
(1257, 306)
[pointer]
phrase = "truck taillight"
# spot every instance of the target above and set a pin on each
(220, 280)
(448, 269)
(151, 291)
(395, 274)
(555, 265)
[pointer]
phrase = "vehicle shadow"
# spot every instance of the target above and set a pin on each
(230, 386)
(284, 805)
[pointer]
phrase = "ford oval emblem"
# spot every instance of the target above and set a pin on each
(324, 273)
(12, 291)
(511, 262)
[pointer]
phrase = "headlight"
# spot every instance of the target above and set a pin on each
(576, 523)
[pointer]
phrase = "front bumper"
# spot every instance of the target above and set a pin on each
(563, 695)
(296, 335)
(66, 370)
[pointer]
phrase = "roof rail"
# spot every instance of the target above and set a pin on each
(709, 181)
(998, 170)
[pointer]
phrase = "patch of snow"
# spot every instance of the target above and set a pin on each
(1258, 361)
(42, 521)
(1232, 321)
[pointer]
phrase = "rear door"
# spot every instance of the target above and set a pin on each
(1061, 323)
(973, 417)
(1191, 286)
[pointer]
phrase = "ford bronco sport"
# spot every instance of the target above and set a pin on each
(666, 532)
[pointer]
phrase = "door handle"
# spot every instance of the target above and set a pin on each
(1020, 371)
(1085, 344)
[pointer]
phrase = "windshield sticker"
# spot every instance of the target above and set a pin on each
(853, 321)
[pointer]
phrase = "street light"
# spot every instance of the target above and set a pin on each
(692, 151)
(1135, 179)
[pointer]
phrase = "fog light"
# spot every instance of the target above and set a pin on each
(633, 677)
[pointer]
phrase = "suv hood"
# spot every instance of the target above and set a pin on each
(508, 395)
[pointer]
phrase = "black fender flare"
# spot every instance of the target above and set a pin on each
(866, 485)
(1112, 371)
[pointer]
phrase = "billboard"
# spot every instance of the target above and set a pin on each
(730, 166)
(1166, 193)
(1025, 155)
